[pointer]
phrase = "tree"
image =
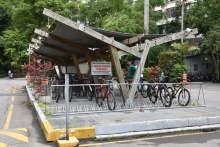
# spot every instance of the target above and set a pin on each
(184, 48)
(153, 54)
(211, 44)
(5, 19)
(168, 59)
(204, 15)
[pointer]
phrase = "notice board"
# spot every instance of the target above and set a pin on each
(101, 68)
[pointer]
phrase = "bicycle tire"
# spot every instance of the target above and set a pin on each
(89, 93)
(57, 94)
(71, 90)
(184, 96)
(171, 91)
(98, 98)
(151, 91)
(111, 100)
(165, 97)
(144, 91)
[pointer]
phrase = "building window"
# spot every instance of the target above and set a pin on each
(170, 12)
(195, 67)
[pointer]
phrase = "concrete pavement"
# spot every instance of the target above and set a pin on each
(136, 121)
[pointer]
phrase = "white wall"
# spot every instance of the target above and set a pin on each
(203, 62)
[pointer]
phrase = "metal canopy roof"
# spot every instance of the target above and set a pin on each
(53, 48)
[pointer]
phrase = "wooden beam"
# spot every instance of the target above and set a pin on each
(138, 71)
(172, 37)
(76, 64)
(90, 32)
(119, 72)
(132, 40)
(89, 59)
(71, 44)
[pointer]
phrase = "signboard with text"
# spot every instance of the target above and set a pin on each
(101, 68)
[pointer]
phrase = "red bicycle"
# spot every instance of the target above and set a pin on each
(104, 92)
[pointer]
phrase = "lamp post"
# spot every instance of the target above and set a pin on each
(146, 16)
(182, 15)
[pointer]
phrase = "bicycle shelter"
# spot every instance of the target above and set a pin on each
(73, 43)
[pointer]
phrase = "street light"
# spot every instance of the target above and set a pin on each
(182, 15)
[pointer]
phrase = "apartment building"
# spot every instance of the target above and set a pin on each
(169, 8)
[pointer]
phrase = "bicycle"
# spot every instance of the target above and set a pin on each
(142, 88)
(59, 89)
(89, 90)
(156, 91)
(183, 93)
(105, 92)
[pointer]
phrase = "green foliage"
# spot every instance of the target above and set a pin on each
(153, 54)
(211, 44)
(168, 59)
(42, 105)
(145, 72)
(176, 74)
(12, 42)
(204, 15)
(183, 48)
(5, 18)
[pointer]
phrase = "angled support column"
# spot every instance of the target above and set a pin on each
(138, 72)
(89, 59)
(119, 72)
(76, 64)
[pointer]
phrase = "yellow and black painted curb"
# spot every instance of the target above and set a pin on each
(80, 133)
(52, 134)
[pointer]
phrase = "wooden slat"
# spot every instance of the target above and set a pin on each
(76, 64)
(71, 44)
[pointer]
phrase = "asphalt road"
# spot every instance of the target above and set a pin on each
(187, 139)
(19, 126)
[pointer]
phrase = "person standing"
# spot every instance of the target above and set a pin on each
(132, 69)
(162, 76)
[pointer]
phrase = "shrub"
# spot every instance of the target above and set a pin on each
(178, 70)
(38, 72)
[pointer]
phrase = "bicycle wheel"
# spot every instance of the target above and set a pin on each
(98, 98)
(165, 97)
(89, 93)
(144, 91)
(71, 93)
(184, 97)
(57, 94)
(111, 100)
(171, 91)
(151, 92)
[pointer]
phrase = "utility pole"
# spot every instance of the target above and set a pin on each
(146, 17)
(182, 16)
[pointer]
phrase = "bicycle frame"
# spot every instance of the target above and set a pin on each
(176, 88)
(104, 91)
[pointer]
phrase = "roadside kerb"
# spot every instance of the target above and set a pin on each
(156, 125)
(52, 134)
(176, 130)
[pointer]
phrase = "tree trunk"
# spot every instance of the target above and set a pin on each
(215, 68)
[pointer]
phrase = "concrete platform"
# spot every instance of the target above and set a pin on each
(129, 122)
